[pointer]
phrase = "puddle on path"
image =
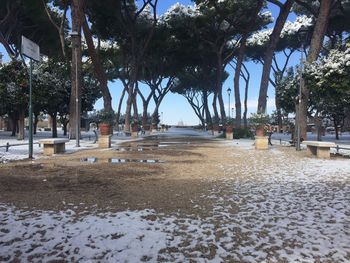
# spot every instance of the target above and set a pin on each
(167, 143)
(118, 160)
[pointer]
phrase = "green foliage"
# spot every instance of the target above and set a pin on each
(287, 90)
(229, 121)
(14, 88)
(239, 133)
(28, 18)
(107, 117)
(259, 119)
(221, 136)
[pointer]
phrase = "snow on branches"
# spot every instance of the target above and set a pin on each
(290, 28)
(333, 67)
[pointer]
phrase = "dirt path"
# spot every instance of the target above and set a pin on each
(168, 185)
(191, 199)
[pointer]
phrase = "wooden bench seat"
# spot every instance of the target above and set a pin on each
(319, 149)
(53, 146)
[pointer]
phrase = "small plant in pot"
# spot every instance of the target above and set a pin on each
(259, 121)
(229, 125)
(134, 126)
(106, 122)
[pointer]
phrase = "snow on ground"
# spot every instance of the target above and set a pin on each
(272, 207)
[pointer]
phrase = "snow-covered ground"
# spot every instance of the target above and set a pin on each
(269, 207)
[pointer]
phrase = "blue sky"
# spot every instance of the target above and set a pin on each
(175, 108)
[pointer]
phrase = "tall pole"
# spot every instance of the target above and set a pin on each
(30, 112)
(77, 118)
(299, 100)
(229, 93)
(75, 46)
(229, 106)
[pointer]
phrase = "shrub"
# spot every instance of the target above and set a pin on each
(239, 133)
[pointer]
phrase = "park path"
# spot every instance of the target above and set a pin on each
(254, 206)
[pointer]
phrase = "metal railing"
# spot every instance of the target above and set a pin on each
(8, 145)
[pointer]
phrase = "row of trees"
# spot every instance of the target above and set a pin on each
(51, 95)
(186, 50)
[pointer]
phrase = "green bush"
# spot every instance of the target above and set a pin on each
(221, 136)
(239, 133)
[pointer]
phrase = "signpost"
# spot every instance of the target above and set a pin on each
(32, 51)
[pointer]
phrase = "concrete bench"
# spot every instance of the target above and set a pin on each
(53, 146)
(319, 149)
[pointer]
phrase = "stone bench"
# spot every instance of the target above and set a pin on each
(319, 149)
(53, 146)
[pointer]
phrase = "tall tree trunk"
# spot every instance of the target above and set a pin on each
(236, 87)
(14, 122)
(35, 124)
(20, 135)
(129, 104)
(144, 113)
(269, 52)
(128, 113)
(240, 58)
(318, 126)
(76, 71)
(98, 69)
(221, 104)
(246, 101)
(206, 107)
(219, 74)
(336, 124)
(54, 124)
(120, 106)
(315, 48)
(64, 122)
(134, 105)
(216, 114)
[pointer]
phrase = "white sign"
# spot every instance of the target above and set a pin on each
(30, 49)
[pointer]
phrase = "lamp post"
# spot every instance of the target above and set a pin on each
(75, 35)
(229, 93)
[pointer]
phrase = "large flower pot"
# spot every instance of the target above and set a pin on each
(134, 130)
(229, 129)
(260, 131)
(229, 132)
(105, 129)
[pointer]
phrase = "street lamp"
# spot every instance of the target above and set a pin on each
(75, 35)
(229, 93)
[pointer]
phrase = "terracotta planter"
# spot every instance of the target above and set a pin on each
(216, 127)
(260, 131)
(147, 127)
(134, 128)
(105, 129)
(229, 129)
